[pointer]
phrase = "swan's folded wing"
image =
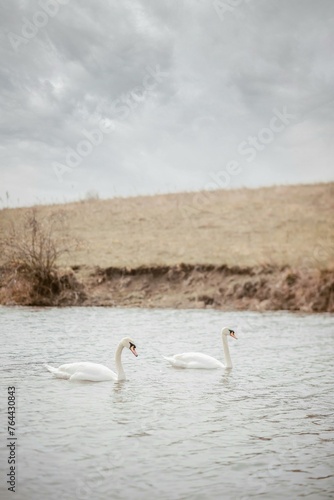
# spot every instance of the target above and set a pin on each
(194, 360)
(175, 361)
(190, 357)
(85, 370)
(81, 366)
(94, 376)
(93, 372)
(56, 372)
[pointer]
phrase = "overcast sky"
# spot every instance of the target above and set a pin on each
(133, 97)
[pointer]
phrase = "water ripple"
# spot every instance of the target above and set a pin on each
(264, 429)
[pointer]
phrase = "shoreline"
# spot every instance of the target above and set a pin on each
(185, 286)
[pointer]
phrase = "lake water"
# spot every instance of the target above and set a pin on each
(261, 430)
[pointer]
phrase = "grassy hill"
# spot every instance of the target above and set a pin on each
(285, 225)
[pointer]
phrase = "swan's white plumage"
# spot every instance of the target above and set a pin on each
(194, 360)
(203, 361)
(94, 372)
(85, 370)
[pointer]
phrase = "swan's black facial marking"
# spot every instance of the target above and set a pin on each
(133, 349)
(232, 334)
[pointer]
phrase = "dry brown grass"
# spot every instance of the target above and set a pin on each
(290, 225)
(30, 249)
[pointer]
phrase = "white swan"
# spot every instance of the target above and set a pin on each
(199, 360)
(94, 372)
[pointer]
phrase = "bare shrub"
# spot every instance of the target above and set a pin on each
(31, 250)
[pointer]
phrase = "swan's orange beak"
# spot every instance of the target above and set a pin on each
(234, 335)
(133, 350)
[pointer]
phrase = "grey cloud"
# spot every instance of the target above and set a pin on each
(222, 80)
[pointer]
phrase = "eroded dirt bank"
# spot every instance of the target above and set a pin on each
(187, 286)
(219, 287)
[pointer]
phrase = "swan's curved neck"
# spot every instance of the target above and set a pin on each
(228, 362)
(118, 362)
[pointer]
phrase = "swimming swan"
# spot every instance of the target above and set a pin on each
(199, 360)
(95, 372)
